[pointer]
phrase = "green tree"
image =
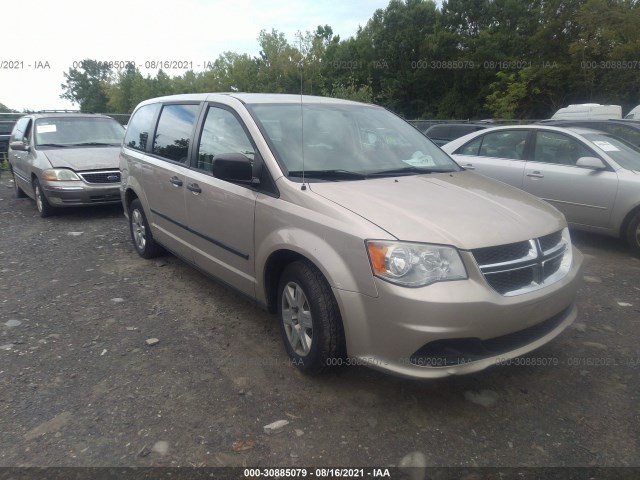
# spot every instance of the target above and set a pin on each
(5, 109)
(85, 86)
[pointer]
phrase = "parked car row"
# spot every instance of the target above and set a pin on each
(368, 241)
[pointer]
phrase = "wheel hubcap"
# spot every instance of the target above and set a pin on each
(638, 235)
(139, 232)
(296, 316)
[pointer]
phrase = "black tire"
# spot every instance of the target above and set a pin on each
(633, 234)
(326, 335)
(19, 192)
(42, 204)
(141, 236)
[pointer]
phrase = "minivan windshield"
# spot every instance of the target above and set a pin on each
(346, 142)
(77, 132)
(624, 153)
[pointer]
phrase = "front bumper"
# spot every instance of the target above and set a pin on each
(392, 331)
(70, 194)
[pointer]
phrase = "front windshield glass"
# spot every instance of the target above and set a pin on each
(346, 139)
(82, 131)
(624, 153)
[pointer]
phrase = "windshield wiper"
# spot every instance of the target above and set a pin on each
(330, 174)
(61, 145)
(407, 170)
(95, 144)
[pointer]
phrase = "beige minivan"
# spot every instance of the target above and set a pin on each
(372, 245)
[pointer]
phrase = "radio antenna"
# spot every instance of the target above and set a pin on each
(303, 187)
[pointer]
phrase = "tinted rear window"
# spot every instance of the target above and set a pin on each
(174, 131)
(141, 127)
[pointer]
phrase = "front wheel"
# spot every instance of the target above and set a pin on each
(633, 234)
(42, 204)
(143, 240)
(310, 321)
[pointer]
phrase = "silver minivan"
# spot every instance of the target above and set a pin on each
(372, 245)
(66, 160)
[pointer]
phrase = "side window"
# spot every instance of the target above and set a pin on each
(553, 147)
(629, 134)
(140, 127)
(21, 130)
(504, 144)
(222, 133)
(174, 131)
(471, 148)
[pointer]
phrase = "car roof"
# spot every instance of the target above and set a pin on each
(251, 98)
(623, 121)
(67, 115)
(578, 131)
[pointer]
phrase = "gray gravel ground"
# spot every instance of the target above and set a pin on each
(79, 386)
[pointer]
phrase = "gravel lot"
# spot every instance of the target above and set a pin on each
(79, 386)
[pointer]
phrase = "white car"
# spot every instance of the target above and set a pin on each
(590, 176)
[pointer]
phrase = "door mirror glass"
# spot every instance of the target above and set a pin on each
(591, 162)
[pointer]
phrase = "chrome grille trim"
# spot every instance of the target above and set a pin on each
(541, 266)
(100, 176)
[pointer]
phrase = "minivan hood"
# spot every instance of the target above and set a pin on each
(459, 208)
(83, 158)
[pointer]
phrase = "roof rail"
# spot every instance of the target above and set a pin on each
(59, 111)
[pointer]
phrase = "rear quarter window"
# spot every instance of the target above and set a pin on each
(173, 135)
(140, 127)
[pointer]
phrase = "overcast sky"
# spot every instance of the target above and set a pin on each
(66, 31)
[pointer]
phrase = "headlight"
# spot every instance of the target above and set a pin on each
(414, 264)
(59, 175)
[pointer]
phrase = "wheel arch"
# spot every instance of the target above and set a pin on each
(627, 220)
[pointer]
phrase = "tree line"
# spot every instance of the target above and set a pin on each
(465, 59)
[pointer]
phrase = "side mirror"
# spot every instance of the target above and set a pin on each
(233, 167)
(592, 163)
(19, 146)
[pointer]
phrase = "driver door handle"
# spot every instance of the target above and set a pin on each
(195, 188)
(175, 181)
(469, 166)
(535, 174)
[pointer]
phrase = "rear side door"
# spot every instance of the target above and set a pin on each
(499, 154)
(161, 167)
(585, 196)
(220, 214)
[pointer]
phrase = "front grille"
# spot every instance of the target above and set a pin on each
(505, 282)
(548, 242)
(501, 254)
(101, 177)
(517, 268)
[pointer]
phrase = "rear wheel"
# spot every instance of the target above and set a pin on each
(310, 321)
(42, 204)
(633, 233)
(141, 235)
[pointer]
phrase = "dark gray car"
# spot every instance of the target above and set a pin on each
(64, 160)
(5, 132)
